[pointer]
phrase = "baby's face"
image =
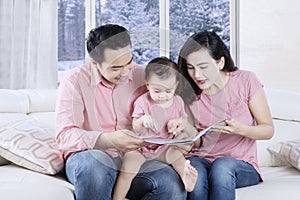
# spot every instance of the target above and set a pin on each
(162, 91)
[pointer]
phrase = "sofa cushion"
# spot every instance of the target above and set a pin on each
(283, 104)
(45, 118)
(40, 100)
(288, 151)
(12, 101)
(18, 183)
(284, 130)
(31, 145)
(279, 183)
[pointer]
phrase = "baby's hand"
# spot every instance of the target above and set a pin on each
(176, 125)
(148, 122)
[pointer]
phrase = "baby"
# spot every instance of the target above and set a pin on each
(157, 113)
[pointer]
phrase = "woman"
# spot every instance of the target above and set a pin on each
(227, 158)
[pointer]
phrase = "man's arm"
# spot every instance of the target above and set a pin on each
(70, 118)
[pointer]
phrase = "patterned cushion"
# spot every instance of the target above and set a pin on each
(288, 152)
(31, 145)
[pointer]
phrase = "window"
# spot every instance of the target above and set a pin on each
(157, 27)
(140, 17)
(188, 17)
(71, 34)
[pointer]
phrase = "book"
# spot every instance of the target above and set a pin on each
(182, 141)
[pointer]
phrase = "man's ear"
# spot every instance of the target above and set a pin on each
(147, 85)
(94, 62)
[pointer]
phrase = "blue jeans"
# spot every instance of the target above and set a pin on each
(93, 174)
(219, 179)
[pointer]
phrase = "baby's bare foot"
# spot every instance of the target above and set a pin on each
(190, 176)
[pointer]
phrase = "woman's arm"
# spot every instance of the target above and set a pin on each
(259, 108)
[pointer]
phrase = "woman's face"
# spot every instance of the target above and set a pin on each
(205, 71)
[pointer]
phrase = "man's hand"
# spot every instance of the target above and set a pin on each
(123, 140)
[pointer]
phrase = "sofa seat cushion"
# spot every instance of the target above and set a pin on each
(279, 183)
(20, 183)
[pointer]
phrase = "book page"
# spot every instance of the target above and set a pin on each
(182, 141)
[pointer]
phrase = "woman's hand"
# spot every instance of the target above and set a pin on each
(260, 131)
(123, 140)
(232, 127)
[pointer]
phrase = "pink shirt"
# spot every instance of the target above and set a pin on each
(231, 102)
(145, 105)
(87, 106)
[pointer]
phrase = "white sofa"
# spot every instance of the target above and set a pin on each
(281, 181)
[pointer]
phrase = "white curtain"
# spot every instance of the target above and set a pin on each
(28, 44)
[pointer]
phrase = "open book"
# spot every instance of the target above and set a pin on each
(189, 140)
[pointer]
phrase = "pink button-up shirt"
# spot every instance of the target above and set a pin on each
(87, 106)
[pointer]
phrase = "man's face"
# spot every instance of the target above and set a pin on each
(117, 65)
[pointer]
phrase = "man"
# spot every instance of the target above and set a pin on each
(93, 122)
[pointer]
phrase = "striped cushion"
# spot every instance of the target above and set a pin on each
(288, 152)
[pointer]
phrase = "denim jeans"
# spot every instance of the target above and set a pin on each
(219, 179)
(93, 174)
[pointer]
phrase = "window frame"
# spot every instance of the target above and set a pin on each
(90, 22)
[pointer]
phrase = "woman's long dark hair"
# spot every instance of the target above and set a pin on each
(205, 40)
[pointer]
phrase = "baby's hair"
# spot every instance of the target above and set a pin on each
(162, 67)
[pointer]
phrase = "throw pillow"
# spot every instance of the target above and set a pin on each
(288, 152)
(31, 145)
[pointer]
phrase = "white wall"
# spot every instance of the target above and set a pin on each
(269, 41)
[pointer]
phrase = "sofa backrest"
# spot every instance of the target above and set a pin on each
(286, 117)
(40, 104)
(24, 103)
